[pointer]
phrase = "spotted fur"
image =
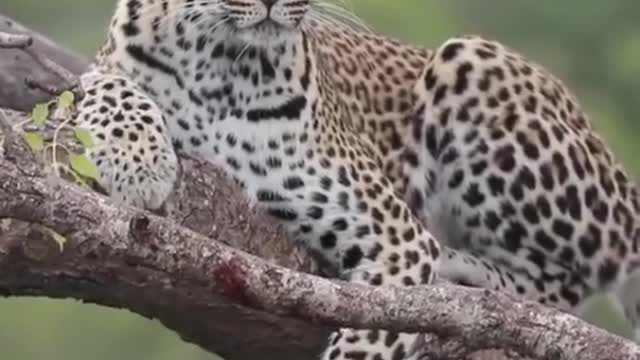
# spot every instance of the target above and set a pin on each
(508, 167)
(133, 154)
(258, 99)
(495, 155)
(355, 141)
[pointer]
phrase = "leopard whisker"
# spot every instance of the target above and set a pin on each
(215, 26)
(340, 14)
(241, 53)
(183, 10)
(331, 19)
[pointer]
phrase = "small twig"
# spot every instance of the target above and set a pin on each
(50, 90)
(55, 143)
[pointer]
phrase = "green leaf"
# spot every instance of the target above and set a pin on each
(40, 114)
(84, 136)
(82, 165)
(61, 240)
(66, 99)
(34, 140)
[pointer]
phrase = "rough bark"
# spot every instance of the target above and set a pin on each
(192, 270)
(100, 266)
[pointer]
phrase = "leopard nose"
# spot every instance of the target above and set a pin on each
(269, 3)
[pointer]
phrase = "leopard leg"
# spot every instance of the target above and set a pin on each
(135, 161)
(349, 344)
(551, 285)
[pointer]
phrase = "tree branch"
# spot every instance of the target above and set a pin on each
(178, 269)
(126, 257)
(99, 264)
(16, 66)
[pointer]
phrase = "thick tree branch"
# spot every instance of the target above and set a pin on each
(177, 269)
(98, 265)
(126, 257)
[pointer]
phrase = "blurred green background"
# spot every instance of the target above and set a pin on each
(593, 45)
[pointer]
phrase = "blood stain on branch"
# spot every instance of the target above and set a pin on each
(229, 279)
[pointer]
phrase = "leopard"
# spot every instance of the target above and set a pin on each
(244, 84)
(483, 146)
(495, 155)
(505, 164)
(370, 117)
